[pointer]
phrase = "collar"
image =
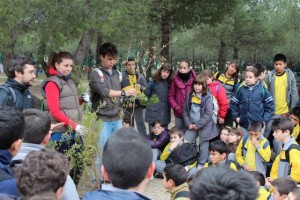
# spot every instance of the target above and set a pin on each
(288, 143)
(5, 157)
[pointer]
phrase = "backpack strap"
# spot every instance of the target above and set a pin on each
(218, 75)
(182, 194)
(10, 91)
(244, 141)
(4, 175)
(228, 162)
(287, 152)
(101, 75)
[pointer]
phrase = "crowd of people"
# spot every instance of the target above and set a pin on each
(234, 138)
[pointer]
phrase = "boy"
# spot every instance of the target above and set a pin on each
(282, 187)
(218, 154)
(175, 180)
(177, 152)
(253, 151)
(287, 163)
(11, 133)
(263, 194)
(295, 117)
(251, 102)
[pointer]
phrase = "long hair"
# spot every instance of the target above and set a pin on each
(200, 79)
(157, 76)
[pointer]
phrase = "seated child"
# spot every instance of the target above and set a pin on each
(234, 139)
(282, 187)
(253, 151)
(218, 154)
(295, 117)
(175, 180)
(263, 194)
(158, 139)
(177, 152)
(224, 134)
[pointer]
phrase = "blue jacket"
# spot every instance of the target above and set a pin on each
(252, 104)
(8, 186)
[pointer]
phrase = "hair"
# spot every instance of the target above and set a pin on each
(186, 61)
(176, 173)
(58, 58)
(156, 122)
(237, 131)
(200, 79)
(253, 70)
(37, 126)
(219, 183)
(126, 158)
(260, 68)
(177, 131)
(17, 63)
(42, 171)
(228, 128)
(236, 64)
(284, 185)
(43, 196)
(129, 59)
(283, 124)
(157, 76)
(255, 126)
(280, 57)
(258, 177)
(232, 146)
(296, 111)
(208, 73)
(218, 146)
(296, 193)
(108, 49)
(11, 126)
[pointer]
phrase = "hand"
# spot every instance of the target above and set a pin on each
(221, 120)
(247, 168)
(254, 141)
(81, 130)
(238, 120)
(86, 98)
(268, 183)
(191, 127)
(195, 127)
(174, 145)
(131, 92)
(53, 126)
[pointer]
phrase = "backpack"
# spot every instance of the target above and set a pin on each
(215, 106)
(185, 154)
(182, 194)
(287, 152)
(99, 71)
(10, 91)
(235, 78)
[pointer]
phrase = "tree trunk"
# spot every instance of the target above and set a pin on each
(83, 48)
(235, 53)
(99, 44)
(165, 35)
(222, 56)
(40, 55)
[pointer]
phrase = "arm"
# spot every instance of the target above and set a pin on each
(206, 117)
(4, 97)
(147, 90)
(142, 82)
(234, 106)
(239, 154)
(265, 153)
(268, 104)
(294, 93)
(295, 165)
(52, 98)
(162, 141)
(274, 169)
(185, 112)
(171, 96)
(165, 154)
(222, 101)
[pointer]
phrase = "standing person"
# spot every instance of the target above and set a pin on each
(229, 78)
(197, 115)
(62, 102)
(133, 110)
(15, 93)
(159, 85)
(181, 85)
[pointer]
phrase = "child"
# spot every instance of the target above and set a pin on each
(263, 194)
(253, 151)
(219, 92)
(175, 180)
(180, 87)
(282, 187)
(234, 139)
(218, 154)
(224, 134)
(159, 86)
(287, 163)
(177, 152)
(158, 139)
(295, 117)
(251, 102)
(197, 115)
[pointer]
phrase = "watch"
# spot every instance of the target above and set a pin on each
(123, 94)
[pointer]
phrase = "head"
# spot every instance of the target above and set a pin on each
(200, 85)
(259, 177)
(233, 68)
(21, 68)
(184, 66)
(11, 129)
(37, 127)
(176, 134)
(282, 187)
(235, 136)
(157, 127)
(208, 74)
(108, 55)
(280, 63)
(164, 73)
(294, 194)
(130, 65)
(251, 76)
(295, 115)
(174, 175)
(283, 128)
(255, 130)
(43, 171)
(222, 183)
(261, 70)
(224, 134)
(121, 169)
(217, 152)
(62, 62)
(44, 196)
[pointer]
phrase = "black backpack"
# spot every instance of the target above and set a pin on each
(185, 154)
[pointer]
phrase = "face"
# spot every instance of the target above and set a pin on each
(184, 67)
(279, 67)
(254, 135)
(208, 80)
(27, 77)
(233, 138)
(197, 88)
(294, 119)
(165, 74)
(250, 79)
(231, 69)
(277, 196)
(224, 136)
(166, 183)
(130, 67)
(108, 61)
(279, 135)
(216, 157)
(65, 67)
(262, 75)
(175, 138)
(157, 129)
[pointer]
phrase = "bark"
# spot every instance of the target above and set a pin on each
(165, 35)
(235, 53)
(99, 44)
(83, 48)
(222, 56)
(41, 53)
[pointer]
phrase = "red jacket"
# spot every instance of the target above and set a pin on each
(219, 92)
(178, 92)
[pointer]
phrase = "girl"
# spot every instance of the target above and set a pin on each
(234, 139)
(159, 86)
(197, 115)
(180, 87)
(219, 92)
(224, 135)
